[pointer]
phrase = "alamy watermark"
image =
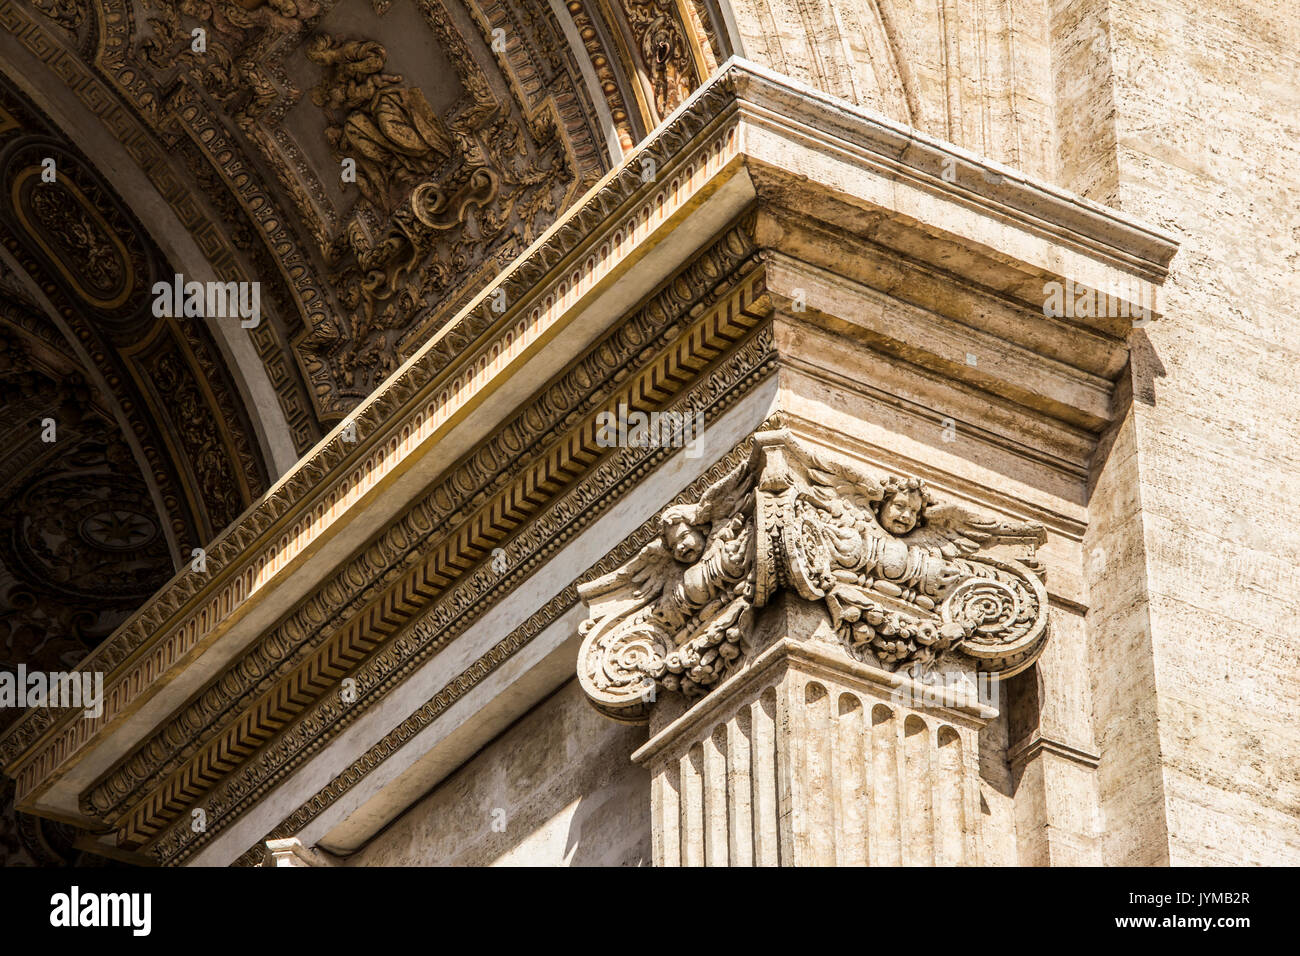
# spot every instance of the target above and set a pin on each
(57, 689)
(213, 300)
(1072, 300)
(76, 908)
(626, 429)
(948, 689)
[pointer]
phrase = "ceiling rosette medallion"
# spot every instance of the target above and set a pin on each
(77, 229)
(907, 580)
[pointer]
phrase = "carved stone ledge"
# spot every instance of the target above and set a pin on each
(290, 643)
(907, 581)
(1036, 744)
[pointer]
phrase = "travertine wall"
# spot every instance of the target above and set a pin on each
(1083, 91)
(973, 72)
(1207, 108)
(1183, 114)
(1131, 780)
(558, 787)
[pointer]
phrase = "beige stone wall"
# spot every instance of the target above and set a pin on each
(557, 788)
(1083, 92)
(1183, 114)
(973, 72)
(1208, 147)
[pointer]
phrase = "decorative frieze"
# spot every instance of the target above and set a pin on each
(464, 537)
(592, 381)
(461, 593)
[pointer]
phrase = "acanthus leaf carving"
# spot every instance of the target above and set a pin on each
(906, 580)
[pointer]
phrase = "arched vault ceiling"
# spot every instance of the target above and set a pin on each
(80, 258)
(371, 163)
(126, 443)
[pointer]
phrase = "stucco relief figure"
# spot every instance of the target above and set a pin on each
(877, 551)
(677, 614)
(906, 580)
(418, 176)
(390, 130)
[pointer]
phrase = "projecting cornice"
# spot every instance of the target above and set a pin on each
(670, 284)
(855, 144)
(600, 241)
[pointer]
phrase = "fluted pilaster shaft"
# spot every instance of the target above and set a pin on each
(809, 757)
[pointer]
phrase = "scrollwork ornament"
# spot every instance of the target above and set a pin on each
(620, 668)
(906, 580)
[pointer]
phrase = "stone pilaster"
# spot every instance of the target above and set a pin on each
(809, 757)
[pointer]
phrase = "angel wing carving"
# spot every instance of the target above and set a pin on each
(677, 614)
(843, 488)
(952, 531)
(632, 586)
(905, 579)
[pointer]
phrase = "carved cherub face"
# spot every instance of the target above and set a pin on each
(685, 542)
(900, 512)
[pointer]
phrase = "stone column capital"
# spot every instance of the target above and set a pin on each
(906, 579)
(291, 852)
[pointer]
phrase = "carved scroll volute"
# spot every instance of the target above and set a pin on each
(677, 617)
(1009, 621)
(906, 580)
(614, 669)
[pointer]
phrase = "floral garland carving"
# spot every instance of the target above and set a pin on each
(906, 580)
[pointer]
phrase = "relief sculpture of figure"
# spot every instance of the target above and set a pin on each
(906, 580)
(678, 613)
(390, 130)
(890, 557)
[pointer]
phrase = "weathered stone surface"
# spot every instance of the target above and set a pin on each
(849, 236)
(1205, 107)
(557, 788)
